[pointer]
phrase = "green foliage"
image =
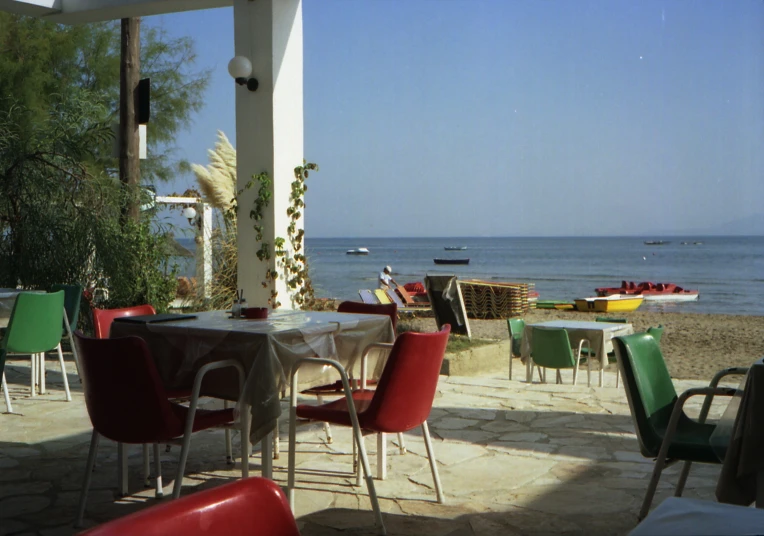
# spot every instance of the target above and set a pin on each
(132, 262)
(291, 261)
(40, 60)
(59, 215)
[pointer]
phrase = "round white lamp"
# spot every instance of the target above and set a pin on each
(240, 68)
(189, 213)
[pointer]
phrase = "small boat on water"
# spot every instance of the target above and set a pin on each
(656, 242)
(455, 248)
(358, 251)
(617, 303)
(651, 291)
(451, 261)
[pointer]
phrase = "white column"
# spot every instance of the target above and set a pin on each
(269, 129)
(204, 250)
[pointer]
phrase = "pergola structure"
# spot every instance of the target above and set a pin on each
(269, 121)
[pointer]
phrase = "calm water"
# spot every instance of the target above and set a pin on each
(728, 271)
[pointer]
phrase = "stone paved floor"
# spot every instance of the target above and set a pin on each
(513, 458)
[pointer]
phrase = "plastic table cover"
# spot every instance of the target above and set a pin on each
(268, 350)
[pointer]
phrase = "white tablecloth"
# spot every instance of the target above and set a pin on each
(599, 334)
(677, 516)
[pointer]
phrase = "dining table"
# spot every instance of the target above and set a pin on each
(7, 301)
(599, 335)
(267, 349)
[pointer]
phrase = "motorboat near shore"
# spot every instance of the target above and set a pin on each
(650, 291)
(358, 251)
(616, 303)
(451, 261)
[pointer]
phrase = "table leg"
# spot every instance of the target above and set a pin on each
(603, 361)
(266, 455)
(246, 419)
(528, 370)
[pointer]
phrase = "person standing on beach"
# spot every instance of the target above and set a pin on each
(386, 281)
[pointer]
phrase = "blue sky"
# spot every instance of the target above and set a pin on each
(515, 118)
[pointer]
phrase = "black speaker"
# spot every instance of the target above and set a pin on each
(144, 101)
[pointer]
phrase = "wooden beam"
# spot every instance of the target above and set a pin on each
(81, 11)
(129, 141)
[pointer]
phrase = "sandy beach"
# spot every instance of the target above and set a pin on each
(695, 345)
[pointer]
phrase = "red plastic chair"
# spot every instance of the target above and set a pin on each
(102, 321)
(388, 309)
(102, 318)
(249, 507)
(402, 401)
(127, 403)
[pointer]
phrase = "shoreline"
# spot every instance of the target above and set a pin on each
(695, 345)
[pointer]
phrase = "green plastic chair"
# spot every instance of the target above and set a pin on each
(35, 328)
(656, 332)
(663, 429)
(516, 327)
(550, 348)
(72, 300)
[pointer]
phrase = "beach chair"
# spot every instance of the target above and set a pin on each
(368, 296)
(382, 296)
(663, 429)
(394, 298)
(408, 300)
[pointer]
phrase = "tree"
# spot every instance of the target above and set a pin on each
(59, 200)
(40, 60)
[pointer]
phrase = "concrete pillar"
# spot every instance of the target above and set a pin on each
(204, 250)
(269, 130)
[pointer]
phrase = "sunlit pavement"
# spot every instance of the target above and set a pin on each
(513, 458)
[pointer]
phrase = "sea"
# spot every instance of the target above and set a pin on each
(728, 271)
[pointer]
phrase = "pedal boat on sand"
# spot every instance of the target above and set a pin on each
(616, 303)
(651, 291)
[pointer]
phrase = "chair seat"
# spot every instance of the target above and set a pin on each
(204, 418)
(336, 412)
(179, 393)
(692, 441)
(330, 388)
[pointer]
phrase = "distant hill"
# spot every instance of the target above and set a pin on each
(748, 226)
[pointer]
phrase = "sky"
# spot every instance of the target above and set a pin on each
(515, 118)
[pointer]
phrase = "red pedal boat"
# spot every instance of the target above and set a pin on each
(651, 291)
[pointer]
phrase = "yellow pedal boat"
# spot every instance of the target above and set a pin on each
(617, 303)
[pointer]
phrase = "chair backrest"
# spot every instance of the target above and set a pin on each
(252, 507)
(405, 392)
(124, 395)
(550, 347)
(649, 389)
(656, 332)
(102, 318)
(72, 299)
(35, 323)
(389, 309)
(516, 328)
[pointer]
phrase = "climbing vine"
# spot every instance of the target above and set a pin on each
(292, 260)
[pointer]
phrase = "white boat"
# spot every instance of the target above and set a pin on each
(358, 251)
(455, 248)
